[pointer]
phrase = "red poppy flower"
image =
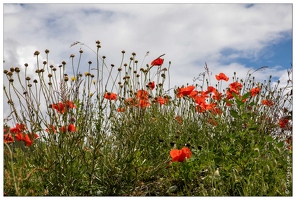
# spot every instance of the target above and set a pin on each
(255, 91)
(283, 122)
(162, 100)
(27, 140)
(144, 103)
(185, 91)
(60, 107)
(70, 104)
(71, 128)
(151, 85)
(200, 99)
(267, 102)
(19, 136)
(8, 138)
(142, 95)
(229, 94)
(211, 89)
(222, 76)
(180, 155)
(235, 87)
(110, 96)
(157, 62)
(217, 95)
(18, 128)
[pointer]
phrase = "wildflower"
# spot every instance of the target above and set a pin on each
(283, 122)
(142, 95)
(185, 91)
(222, 76)
(211, 89)
(110, 96)
(71, 128)
(8, 138)
(267, 102)
(201, 98)
(151, 85)
(144, 103)
(157, 62)
(19, 136)
(60, 107)
(19, 128)
(229, 94)
(235, 87)
(217, 95)
(162, 100)
(255, 91)
(180, 155)
(70, 104)
(27, 140)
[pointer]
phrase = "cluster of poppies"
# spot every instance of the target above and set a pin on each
(141, 98)
(200, 97)
(18, 132)
(62, 107)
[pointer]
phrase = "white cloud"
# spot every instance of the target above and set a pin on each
(189, 34)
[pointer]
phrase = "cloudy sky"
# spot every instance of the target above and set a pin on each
(228, 37)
